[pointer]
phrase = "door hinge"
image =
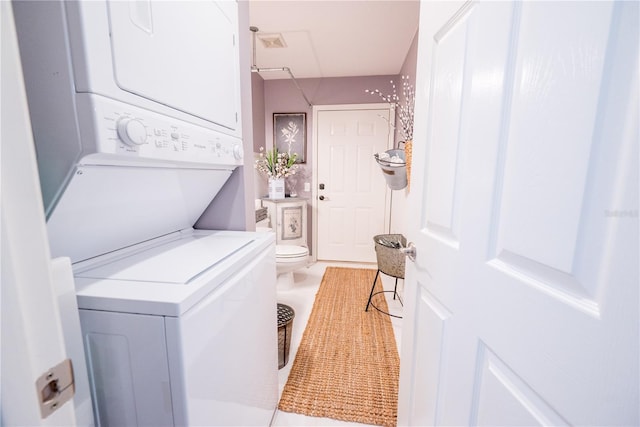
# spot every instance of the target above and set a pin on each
(55, 387)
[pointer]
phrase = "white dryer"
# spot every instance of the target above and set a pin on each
(90, 63)
(135, 113)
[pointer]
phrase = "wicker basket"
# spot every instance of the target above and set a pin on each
(285, 325)
(390, 259)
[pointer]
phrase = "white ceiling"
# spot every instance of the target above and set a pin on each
(334, 38)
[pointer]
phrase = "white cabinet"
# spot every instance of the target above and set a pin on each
(288, 218)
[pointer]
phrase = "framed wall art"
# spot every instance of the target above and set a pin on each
(290, 132)
(291, 223)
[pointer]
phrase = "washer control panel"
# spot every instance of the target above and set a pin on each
(137, 133)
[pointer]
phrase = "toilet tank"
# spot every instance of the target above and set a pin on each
(288, 218)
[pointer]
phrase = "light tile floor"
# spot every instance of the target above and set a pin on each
(301, 299)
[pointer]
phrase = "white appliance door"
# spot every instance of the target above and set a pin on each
(134, 205)
(522, 303)
(128, 368)
(223, 352)
(169, 52)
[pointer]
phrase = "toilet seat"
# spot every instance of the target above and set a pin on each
(289, 258)
(291, 251)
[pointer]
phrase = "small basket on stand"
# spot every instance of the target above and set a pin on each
(394, 168)
(391, 261)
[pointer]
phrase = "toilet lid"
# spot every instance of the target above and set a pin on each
(290, 251)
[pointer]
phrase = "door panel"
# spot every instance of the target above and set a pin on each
(503, 399)
(548, 78)
(525, 218)
(441, 207)
(168, 54)
(355, 199)
(431, 320)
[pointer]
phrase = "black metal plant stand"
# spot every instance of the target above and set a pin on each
(391, 261)
(372, 294)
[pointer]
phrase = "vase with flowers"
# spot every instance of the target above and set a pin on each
(404, 108)
(276, 165)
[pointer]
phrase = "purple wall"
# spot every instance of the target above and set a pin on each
(411, 61)
(257, 104)
(399, 200)
(233, 207)
(282, 96)
(409, 69)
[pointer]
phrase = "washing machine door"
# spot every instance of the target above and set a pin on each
(168, 52)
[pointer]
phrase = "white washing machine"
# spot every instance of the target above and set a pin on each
(174, 333)
(135, 114)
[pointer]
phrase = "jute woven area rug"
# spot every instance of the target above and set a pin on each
(347, 365)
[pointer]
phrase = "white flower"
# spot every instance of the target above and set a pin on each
(404, 109)
(276, 164)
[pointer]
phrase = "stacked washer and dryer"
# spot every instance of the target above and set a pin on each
(135, 108)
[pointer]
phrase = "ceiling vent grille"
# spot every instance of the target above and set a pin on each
(272, 41)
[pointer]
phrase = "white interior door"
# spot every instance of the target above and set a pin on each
(522, 305)
(352, 196)
(40, 324)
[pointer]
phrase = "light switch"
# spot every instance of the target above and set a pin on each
(307, 186)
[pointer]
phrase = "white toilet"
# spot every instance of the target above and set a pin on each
(287, 218)
(289, 258)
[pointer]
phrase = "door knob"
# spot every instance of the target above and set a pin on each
(321, 197)
(409, 251)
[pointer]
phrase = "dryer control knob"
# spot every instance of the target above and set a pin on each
(131, 131)
(238, 152)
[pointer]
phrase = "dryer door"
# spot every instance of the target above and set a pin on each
(169, 52)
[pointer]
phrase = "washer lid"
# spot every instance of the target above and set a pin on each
(291, 251)
(108, 207)
(178, 261)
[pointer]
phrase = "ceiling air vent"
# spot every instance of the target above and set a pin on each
(270, 41)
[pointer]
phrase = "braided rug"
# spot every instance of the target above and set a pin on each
(347, 365)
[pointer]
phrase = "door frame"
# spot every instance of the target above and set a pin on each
(40, 323)
(314, 177)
